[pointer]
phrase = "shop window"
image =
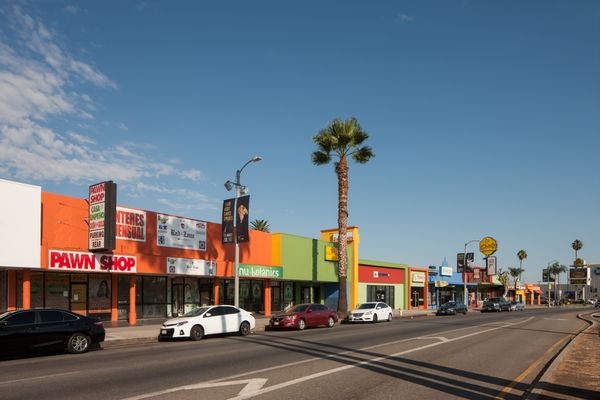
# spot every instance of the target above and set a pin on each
(154, 297)
(56, 291)
(99, 294)
(37, 290)
(3, 290)
(384, 294)
(288, 295)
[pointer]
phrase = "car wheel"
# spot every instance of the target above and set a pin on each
(197, 332)
(330, 322)
(375, 318)
(389, 318)
(301, 324)
(78, 343)
(244, 329)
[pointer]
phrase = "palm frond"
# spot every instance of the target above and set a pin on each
(320, 158)
(363, 155)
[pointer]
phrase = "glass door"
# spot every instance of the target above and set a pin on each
(177, 301)
(79, 298)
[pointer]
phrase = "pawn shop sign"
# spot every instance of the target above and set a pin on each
(488, 246)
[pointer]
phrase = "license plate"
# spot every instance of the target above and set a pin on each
(275, 323)
(163, 331)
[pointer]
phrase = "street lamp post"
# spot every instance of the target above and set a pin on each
(464, 272)
(239, 189)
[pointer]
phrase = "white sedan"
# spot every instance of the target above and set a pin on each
(209, 320)
(371, 312)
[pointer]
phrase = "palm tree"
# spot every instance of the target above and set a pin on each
(516, 274)
(260, 225)
(521, 255)
(577, 245)
(342, 139)
(555, 269)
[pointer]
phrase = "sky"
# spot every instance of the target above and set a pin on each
(484, 116)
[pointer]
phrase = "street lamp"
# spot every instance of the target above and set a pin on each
(239, 190)
(464, 272)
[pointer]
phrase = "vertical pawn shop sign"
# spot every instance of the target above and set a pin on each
(102, 200)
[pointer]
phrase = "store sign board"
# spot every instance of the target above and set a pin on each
(488, 246)
(491, 265)
(579, 276)
(331, 253)
(446, 271)
(131, 224)
(418, 276)
(181, 233)
(260, 271)
(102, 199)
(349, 236)
(188, 266)
(90, 262)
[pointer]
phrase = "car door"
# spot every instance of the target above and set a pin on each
(320, 314)
(311, 316)
(15, 334)
(50, 330)
(213, 321)
(380, 311)
(233, 319)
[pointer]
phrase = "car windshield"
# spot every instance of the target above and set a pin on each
(366, 306)
(495, 299)
(450, 304)
(4, 314)
(196, 312)
(298, 309)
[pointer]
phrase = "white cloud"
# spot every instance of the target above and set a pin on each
(38, 85)
(401, 18)
(123, 126)
(71, 9)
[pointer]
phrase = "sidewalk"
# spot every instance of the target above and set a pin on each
(575, 373)
(147, 332)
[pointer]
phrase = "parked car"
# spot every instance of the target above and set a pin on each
(303, 316)
(26, 331)
(517, 306)
(211, 320)
(496, 304)
(451, 308)
(371, 312)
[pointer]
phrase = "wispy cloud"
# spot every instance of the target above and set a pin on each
(402, 18)
(71, 9)
(38, 85)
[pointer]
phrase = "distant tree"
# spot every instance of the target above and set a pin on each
(521, 255)
(555, 269)
(577, 245)
(516, 274)
(504, 278)
(342, 139)
(260, 225)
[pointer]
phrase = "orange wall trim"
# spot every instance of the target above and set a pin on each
(114, 294)
(132, 314)
(12, 292)
(26, 289)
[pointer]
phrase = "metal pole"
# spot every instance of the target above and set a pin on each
(465, 276)
(236, 301)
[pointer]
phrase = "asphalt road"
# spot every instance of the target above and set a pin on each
(477, 356)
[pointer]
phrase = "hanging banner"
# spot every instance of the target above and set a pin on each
(460, 262)
(181, 233)
(242, 216)
(102, 200)
(131, 224)
(491, 265)
(227, 221)
(187, 266)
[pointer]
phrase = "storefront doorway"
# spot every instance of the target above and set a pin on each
(417, 298)
(177, 299)
(381, 293)
(79, 298)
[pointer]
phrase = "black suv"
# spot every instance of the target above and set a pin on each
(496, 304)
(37, 330)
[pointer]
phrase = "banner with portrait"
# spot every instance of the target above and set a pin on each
(242, 213)
(99, 294)
(227, 221)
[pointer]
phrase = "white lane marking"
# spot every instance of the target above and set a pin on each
(251, 388)
(373, 360)
(33, 378)
(557, 319)
(440, 338)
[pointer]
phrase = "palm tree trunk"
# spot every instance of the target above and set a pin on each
(342, 229)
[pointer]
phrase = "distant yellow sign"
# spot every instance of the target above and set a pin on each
(488, 246)
(331, 253)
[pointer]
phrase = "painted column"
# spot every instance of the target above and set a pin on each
(267, 295)
(12, 290)
(26, 289)
(216, 288)
(132, 311)
(114, 301)
(426, 291)
(354, 280)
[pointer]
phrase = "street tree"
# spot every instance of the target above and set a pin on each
(577, 245)
(555, 269)
(260, 225)
(504, 278)
(341, 140)
(521, 255)
(516, 274)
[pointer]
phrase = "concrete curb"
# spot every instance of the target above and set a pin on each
(549, 369)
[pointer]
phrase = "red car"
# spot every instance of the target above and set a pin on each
(304, 315)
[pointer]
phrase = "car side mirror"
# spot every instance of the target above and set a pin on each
(308, 311)
(207, 315)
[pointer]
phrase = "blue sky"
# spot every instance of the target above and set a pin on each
(484, 116)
